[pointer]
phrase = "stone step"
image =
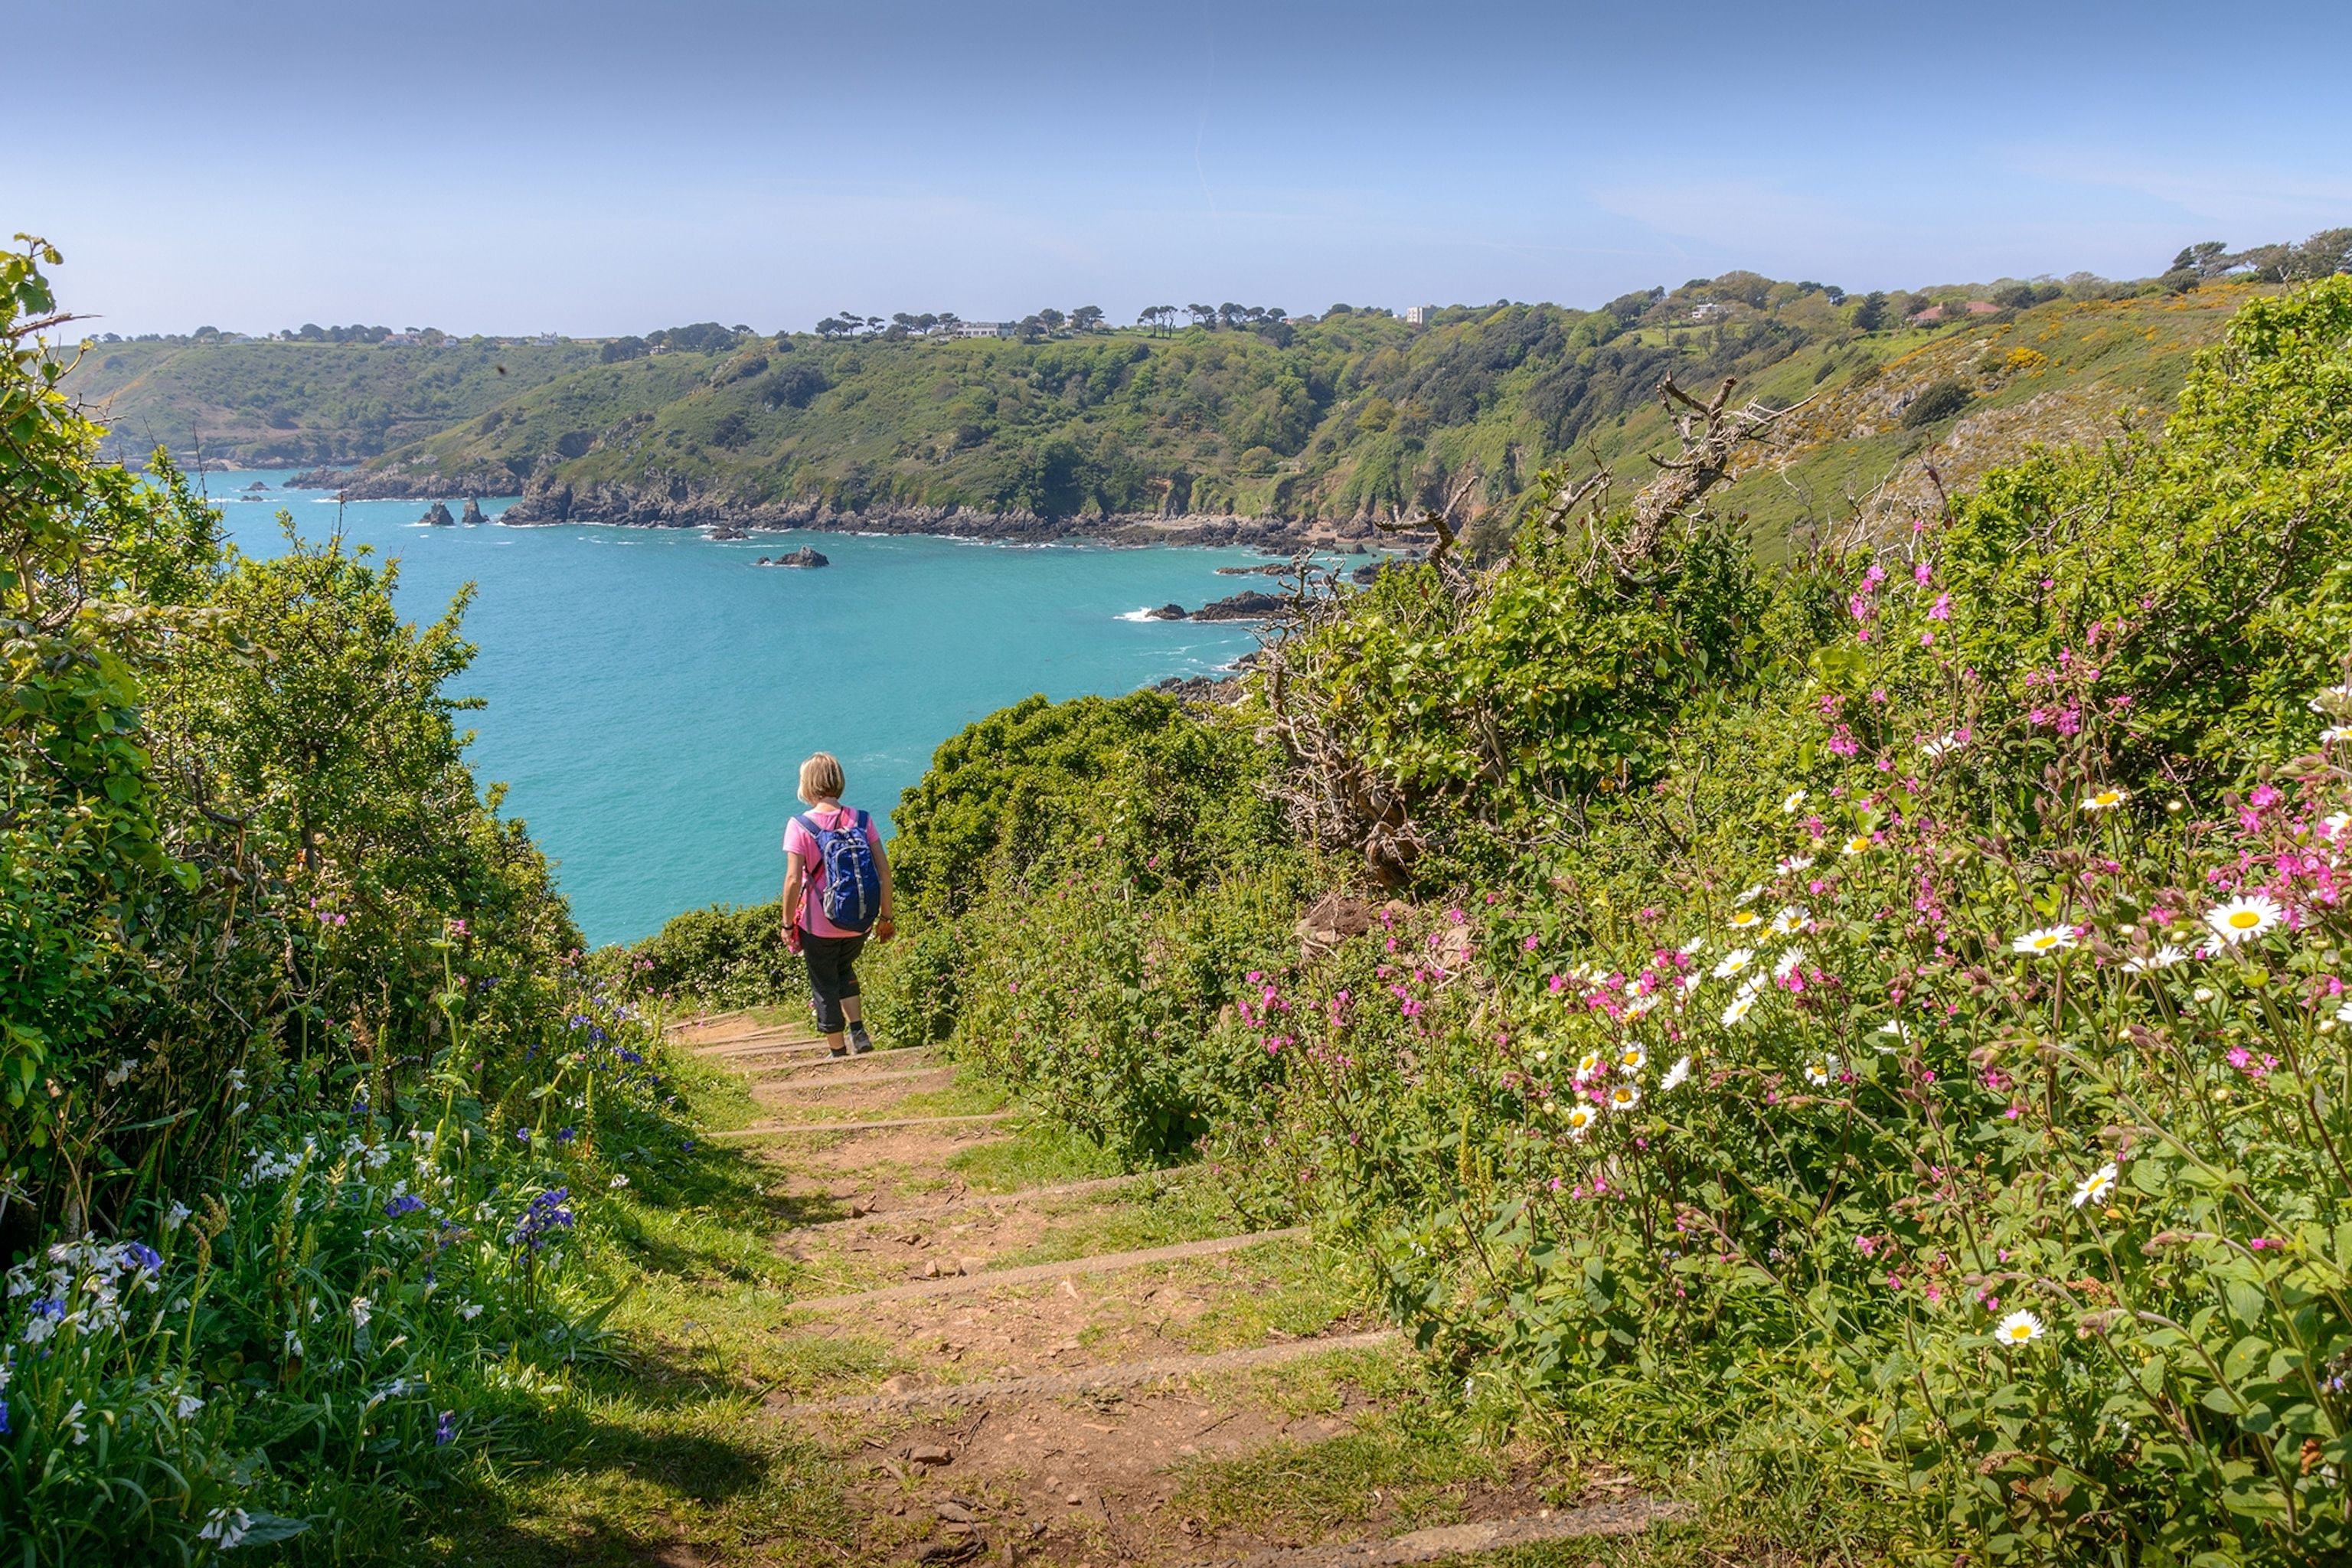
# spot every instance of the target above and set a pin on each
(806, 1128)
(851, 1080)
(981, 1200)
(1102, 1263)
(870, 1061)
(1619, 1516)
(773, 1042)
(1127, 1375)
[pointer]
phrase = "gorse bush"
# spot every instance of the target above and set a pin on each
(1918, 1022)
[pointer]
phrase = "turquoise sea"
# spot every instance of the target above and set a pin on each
(651, 693)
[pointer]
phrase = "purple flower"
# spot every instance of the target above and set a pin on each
(406, 1203)
(4, 1427)
(630, 1057)
(446, 1433)
(145, 1256)
(545, 1215)
(566, 1134)
(688, 1145)
(51, 1306)
(523, 1135)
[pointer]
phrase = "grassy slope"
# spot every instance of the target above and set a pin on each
(1358, 414)
(267, 403)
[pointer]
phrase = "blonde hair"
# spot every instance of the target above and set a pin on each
(821, 778)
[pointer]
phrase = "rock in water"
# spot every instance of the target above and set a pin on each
(804, 556)
(437, 516)
(1247, 606)
(472, 516)
(1167, 613)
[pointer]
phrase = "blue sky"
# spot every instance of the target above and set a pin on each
(594, 168)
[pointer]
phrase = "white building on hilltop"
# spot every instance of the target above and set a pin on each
(1418, 315)
(986, 329)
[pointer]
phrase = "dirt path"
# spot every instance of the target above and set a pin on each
(1084, 1374)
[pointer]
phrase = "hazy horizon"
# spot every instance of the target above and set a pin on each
(594, 170)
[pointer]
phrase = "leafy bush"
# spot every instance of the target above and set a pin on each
(1938, 400)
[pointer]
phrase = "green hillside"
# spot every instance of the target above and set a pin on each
(1323, 425)
(259, 404)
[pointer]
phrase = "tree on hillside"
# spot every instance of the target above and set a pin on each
(1051, 319)
(1202, 315)
(2206, 258)
(1086, 319)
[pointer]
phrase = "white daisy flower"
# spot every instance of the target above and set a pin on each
(2333, 732)
(1793, 799)
(1636, 1007)
(2105, 799)
(2095, 1187)
(1790, 865)
(2243, 918)
(1949, 741)
(1751, 985)
(2020, 1328)
(1858, 845)
(1897, 1030)
(1586, 1065)
(1738, 1008)
(1745, 918)
(2164, 957)
(2202, 993)
(1631, 1057)
(1580, 1117)
(2044, 940)
(1789, 921)
(1751, 895)
(1675, 1075)
(1732, 962)
(2344, 1014)
(1818, 1073)
(2335, 823)
(1624, 1096)
(1788, 963)
(1692, 948)
(2335, 699)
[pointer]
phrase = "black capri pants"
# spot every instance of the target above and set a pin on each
(833, 975)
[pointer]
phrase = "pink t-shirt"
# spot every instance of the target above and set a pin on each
(799, 841)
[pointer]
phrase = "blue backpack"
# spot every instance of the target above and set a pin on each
(853, 883)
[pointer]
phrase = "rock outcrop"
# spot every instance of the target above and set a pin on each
(1246, 605)
(803, 557)
(1167, 613)
(472, 516)
(437, 516)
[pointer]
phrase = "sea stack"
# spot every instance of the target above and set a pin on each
(472, 516)
(803, 557)
(1167, 613)
(1250, 605)
(437, 516)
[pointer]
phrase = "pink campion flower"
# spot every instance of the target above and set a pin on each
(1532, 942)
(1457, 915)
(1872, 578)
(2263, 797)
(1843, 742)
(1941, 610)
(1923, 574)
(1558, 984)
(1878, 694)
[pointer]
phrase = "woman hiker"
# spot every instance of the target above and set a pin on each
(837, 890)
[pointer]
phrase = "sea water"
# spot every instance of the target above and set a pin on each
(650, 693)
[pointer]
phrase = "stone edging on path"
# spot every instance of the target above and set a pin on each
(1103, 1263)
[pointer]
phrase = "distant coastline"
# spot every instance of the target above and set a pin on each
(545, 503)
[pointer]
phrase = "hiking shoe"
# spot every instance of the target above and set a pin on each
(860, 1042)
(838, 1051)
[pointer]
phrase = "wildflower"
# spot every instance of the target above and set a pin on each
(1790, 865)
(1624, 1096)
(2095, 1187)
(545, 1216)
(1586, 1065)
(1750, 896)
(293, 1345)
(1793, 799)
(2164, 957)
(469, 1310)
(362, 1310)
(1676, 1075)
(2335, 823)
(1858, 845)
(1641, 1004)
(1732, 962)
(2202, 993)
(406, 1203)
(1818, 1073)
(226, 1525)
(188, 1406)
(2020, 1328)
(1745, 918)
(2105, 799)
(618, 1182)
(1789, 921)
(2243, 918)
(1738, 1008)
(1949, 741)
(1580, 1117)
(121, 1071)
(2044, 940)
(143, 1256)
(2335, 732)
(6, 1430)
(1632, 1059)
(1897, 1030)
(445, 1432)
(1788, 963)
(175, 1217)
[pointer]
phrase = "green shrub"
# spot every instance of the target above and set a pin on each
(1937, 401)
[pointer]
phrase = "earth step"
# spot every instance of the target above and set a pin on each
(858, 1080)
(705, 1021)
(1125, 1375)
(1102, 1263)
(763, 1045)
(787, 1129)
(1623, 1516)
(983, 1200)
(870, 1060)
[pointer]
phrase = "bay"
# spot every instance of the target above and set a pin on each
(650, 693)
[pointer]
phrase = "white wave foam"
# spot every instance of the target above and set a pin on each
(1141, 614)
